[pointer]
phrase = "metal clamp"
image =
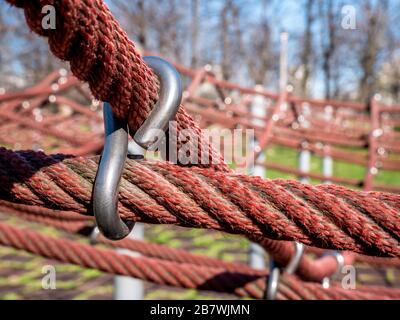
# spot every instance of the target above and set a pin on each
(275, 271)
(112, 162)
(94, 235)
(326, 282)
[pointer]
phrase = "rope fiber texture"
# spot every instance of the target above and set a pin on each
(101, 54)
(243, 283)
(324, 216)
(281, 251)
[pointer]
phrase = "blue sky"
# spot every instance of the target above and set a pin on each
(282, 15)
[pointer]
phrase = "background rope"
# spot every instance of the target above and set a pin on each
(100, 53)
(243, 284)
(308, 269)
(160, 192)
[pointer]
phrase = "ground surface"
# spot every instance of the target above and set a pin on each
(21, 273)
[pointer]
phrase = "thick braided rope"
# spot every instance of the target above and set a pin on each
(63, 222)
(160, 192)
(85, 79)
(44, 216)
(172, 254)
(101, 54)
(281, 251)
(251, 283)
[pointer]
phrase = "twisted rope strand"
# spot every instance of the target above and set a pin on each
(281, 251)
(160, 192)
(251, 283)
(309, 212)
(100, 53)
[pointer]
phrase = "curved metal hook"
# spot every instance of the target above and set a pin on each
(167, 106)
(106, 186)
(326, 282)
(112, 162)
(273, 279)
(294, 263)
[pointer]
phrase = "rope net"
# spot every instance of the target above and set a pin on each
(56, 189)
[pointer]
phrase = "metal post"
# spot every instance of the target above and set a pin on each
(327, 167)
(127, 288)
(304, 163)
(259, 170)
(256, 252)
(258, 109)
(304, 160)
(256, 256)
(283, 65)
(327, 161)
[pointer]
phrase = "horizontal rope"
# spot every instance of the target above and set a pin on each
(323, 216)
(107, 54)
(175, 274)
(281, 251)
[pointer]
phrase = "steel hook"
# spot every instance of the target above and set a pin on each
(166, 108)
(111, 165)
(326, 282)
(275, 271)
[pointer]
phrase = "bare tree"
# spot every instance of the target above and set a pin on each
(134, 15)
(194, 32)
(307, 52)
(231, 37)
(390, 72)
(224, 25)
(332, 40)
(260, 58)
(375, 22)
(242, 36)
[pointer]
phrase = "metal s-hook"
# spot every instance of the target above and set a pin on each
(170, 97)
(106, 186)
(326, 282)
(275, 271)
(112, 162)
(294, 263)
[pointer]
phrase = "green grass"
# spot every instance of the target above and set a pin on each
(289, 157)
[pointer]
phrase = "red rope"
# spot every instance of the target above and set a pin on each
(280, 251)
(250, 283)
(159, 192)
(100, 53)
(116, 73)
(64, 220)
